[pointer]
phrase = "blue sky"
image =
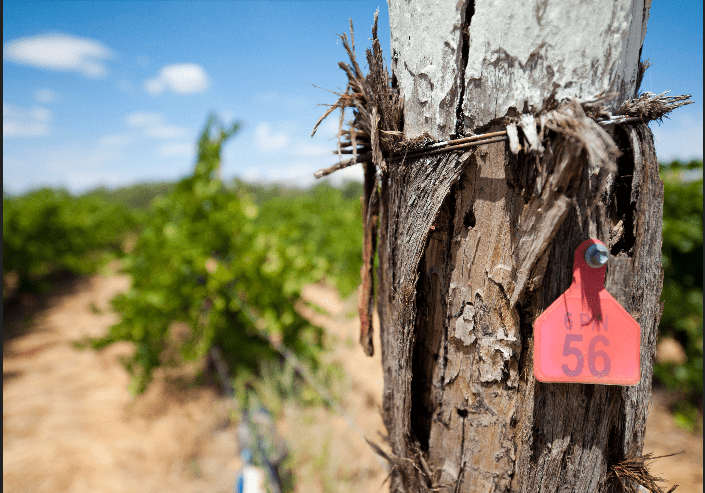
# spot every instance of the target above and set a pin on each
(116, 92)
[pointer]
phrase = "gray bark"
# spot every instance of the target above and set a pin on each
(458, 292)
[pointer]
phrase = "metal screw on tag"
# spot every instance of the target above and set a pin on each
(597, 255)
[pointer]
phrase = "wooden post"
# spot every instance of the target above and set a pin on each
(474, 246)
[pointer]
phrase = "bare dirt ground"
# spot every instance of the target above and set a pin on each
(70, 424)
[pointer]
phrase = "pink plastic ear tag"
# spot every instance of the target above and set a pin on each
(585, 336)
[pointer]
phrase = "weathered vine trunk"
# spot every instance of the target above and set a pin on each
(473, 246)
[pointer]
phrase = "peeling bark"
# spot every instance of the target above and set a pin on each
(509, 56)
(473, 247)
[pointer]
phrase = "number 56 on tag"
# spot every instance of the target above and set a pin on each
(585, 336)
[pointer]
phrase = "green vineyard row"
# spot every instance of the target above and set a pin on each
(228, 261)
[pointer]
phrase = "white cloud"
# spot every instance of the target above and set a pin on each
(311, 150)
(154, 86)
(268, 141)
(251, 175)
(183, 78)
(78, 164)
(17, 129)
(351, 173)
(45, 96)
(177, 149)
(299, 174)
(40, 114)
(83, 181)
(22, 122)
(59, 52)
(152, 124)
(77, 169)
(143, 119)
(680, 137)
(113, 159)
(293, 174)
(166, 132)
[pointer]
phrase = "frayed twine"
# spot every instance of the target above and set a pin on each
(377, 108)
(574, 118)
(428, 475)
(375, 134)
(633, 475)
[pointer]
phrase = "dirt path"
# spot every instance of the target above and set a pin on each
(70, 425)
(664, 437)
